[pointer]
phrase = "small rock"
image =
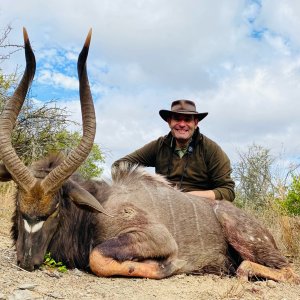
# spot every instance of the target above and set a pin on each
(27, 286)
(20, 295)
(271, 284)
(77, 272)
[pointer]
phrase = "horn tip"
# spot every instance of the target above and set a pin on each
(88, 38)
(25, 35)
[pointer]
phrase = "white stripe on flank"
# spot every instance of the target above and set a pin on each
(32, 229)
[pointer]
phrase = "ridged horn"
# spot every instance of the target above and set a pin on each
(62, 172)
(20, 173)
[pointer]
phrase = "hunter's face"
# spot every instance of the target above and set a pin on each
(182, 127)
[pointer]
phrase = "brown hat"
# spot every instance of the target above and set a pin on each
(186, 107)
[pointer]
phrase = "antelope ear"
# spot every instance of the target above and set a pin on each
(81, 196)
(4, 174)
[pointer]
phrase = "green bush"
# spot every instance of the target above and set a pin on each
(291, 204)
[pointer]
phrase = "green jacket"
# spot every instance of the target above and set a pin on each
(205, 166)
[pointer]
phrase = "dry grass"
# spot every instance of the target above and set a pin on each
(290, 227)
(285, 229)
(7, 191)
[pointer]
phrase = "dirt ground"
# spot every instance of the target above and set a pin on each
(16, 283)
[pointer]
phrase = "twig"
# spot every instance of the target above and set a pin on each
(19, 268)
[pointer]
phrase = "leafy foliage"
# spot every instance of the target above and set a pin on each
(51, 263)
(42, 130)
(37, 130)
(258, 187)
(67, 141)
(291, 204)
(6, 82)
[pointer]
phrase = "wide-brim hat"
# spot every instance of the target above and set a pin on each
(186, 107)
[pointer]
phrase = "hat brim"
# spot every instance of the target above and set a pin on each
(166, 114)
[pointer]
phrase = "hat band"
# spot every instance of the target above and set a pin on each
(184, 111)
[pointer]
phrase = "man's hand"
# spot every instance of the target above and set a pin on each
(206, 194)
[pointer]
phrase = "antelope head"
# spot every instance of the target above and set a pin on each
(37, 202)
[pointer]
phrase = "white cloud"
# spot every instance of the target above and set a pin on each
(58, 80)
(239, 60)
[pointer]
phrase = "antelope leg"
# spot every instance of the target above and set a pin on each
(248, 269)
(106, 266)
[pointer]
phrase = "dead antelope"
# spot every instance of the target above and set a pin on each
(136, 226)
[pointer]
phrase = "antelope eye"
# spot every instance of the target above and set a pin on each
(41, 218)
(33, 220)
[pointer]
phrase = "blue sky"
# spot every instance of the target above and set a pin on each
(238, 60)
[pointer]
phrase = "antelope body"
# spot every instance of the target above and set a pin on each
(138, 225)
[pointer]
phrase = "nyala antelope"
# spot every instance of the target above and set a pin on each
(137, 225)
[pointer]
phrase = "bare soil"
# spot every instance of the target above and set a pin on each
(16, 283)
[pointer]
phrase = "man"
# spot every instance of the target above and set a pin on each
(186, 157)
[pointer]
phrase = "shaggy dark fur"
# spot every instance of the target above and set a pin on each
(74, 236)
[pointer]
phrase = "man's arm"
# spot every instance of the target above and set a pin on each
(219, 169)
(145, 156)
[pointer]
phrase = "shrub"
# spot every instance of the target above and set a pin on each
(291, 204)
(252, 174)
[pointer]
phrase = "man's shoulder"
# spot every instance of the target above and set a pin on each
(165, 139)
(207, 142)
(159, 141)
(211, 148)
